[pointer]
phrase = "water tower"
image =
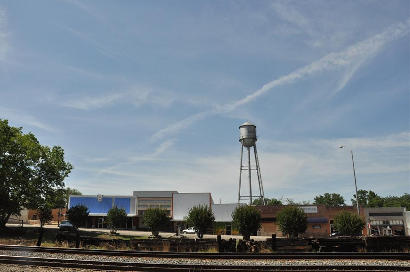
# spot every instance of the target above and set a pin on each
(248, 139)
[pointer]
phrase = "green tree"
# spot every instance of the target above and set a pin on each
(29, 172)
(201, 218)
(77, 215)
(347, 223)
(368, 199)
(44, 215)
(155, 219)
(292, 202)
(70, 191)
(116, 218)
(247, 219)
(292, 221)
(397, 201)
(330, 200)
(267, 202)
(371, 199)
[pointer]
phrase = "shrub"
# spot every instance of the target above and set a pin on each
(77, 215)
(201, 218)
(116, 218)
(44, 215)
(292, 221)
(347, 223)
(247, 220)
(155, 218)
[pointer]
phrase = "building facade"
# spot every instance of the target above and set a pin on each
(319, 219)
(379, 221)
(386, 221)
(99, 205)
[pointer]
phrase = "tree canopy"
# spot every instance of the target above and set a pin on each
(247, 219)
(77, 215)
(267, 202)
(201, 218)
(347, 223)
(292, 221)
(155, 218)
(116, 217)
(371, 199)
(330, 200)
(30, 173)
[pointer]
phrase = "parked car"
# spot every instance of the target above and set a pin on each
(190, 230)
(66, 225)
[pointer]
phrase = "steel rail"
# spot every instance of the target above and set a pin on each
(133, 266)
(200, 255)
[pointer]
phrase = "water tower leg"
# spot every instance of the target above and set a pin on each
(258, 171)
(240, 176)
(250, 175)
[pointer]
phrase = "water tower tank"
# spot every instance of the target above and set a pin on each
(247, 134)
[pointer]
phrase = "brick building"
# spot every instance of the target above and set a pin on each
(319, 219)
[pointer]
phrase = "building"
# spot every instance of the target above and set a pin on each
(152, 199)
(18, 219)
(319, 219)
(99, 205)
(223, 217)
(386, 221)
(183, 202)
(379, 221)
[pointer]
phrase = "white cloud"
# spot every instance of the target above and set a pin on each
(289, 14)
(101, 47)
(87, 103)
(351, 59)
(297, 170)
(136, 96)
(22, 118)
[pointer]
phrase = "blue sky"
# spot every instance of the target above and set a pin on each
(148, 95)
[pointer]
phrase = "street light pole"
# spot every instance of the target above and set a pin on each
(355, 182)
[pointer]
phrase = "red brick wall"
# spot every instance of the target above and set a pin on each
(33, 214)
(269, 226)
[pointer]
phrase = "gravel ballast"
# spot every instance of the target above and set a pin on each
(229, 262)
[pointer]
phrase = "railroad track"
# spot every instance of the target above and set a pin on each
(104, 260)
(121, 266)
(159, 254)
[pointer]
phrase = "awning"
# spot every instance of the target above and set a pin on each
(317, 220)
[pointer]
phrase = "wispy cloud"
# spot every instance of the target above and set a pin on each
(136, 96)
(101, 47)
(351, 58)
(22, 118)
(4, 46)
(288, 168)
(289, 14)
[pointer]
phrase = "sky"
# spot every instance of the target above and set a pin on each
(149, 95)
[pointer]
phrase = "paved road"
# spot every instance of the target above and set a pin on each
(147, 233)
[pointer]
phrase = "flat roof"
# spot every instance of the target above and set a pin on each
(154, 193)
(112, 196)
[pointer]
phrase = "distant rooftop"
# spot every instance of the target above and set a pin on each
(154, 193)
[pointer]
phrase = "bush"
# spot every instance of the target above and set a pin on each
(247, 219)
(44, 215)
(201, 218)
(77, 215)
(155, 218)
(116, 218)
(347, 223)
(292, 221)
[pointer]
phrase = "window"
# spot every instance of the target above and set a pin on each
(317, 226)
